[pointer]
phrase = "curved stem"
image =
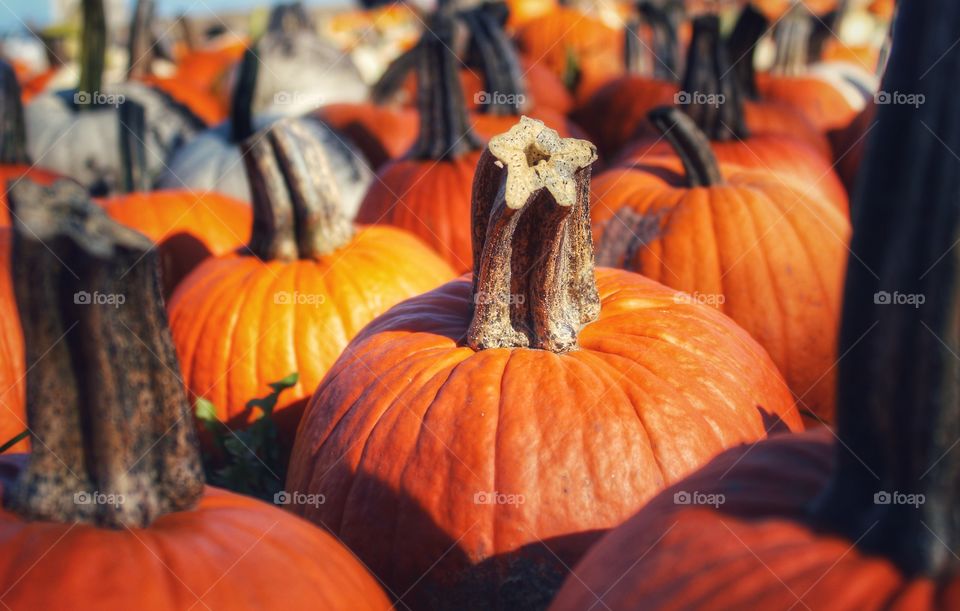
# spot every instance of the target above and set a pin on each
(792, 38)
(13, 140)
(502, 74)
(140, 45)
(241, 101)
(93, 49)
(444, 126)
(133, 149)
(741, 46)
(395, 75)
(710, 93)
(690, 144)
(296, 205)
(533, 252)
(898, 394)
(664, 44)
(114, 441)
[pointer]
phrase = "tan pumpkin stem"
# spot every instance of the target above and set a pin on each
(140, 47)
(93, 50)
(792, 38)
(13, 139)
(296, 204)
(710, 91)
(113, 440)
(689, 143)
(533, 283)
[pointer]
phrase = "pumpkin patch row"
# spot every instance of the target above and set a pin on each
(517, 305)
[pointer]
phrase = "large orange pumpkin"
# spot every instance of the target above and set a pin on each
(13, 415)
(478, 438)
(765, 253)
(110, 510)
(864, 518)
(187, 226)
(309, 283)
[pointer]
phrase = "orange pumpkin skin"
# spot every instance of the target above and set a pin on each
(13, 384)
(788, 160)
(201, 102)
(758, 550)
(382, 133)
(217, 555)
(657, 388)
(204, 67)
(430, 199)
(189, 228)
(487, 126)
(286, 317)
(776, 256)
(817, 99)
(770, 118)
(524, 11)
(775, 9)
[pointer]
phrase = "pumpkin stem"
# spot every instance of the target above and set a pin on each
(663, 48)
(296, 205)
(533, 282)
(93, 49)
(741, 48)
(188, 32)
(506, 91)
(395, 75)
(896, 486)
(114, 443)
(289, 19)
(690, 144)
(241, 101)
(710, 93)
(13, 139)
(792, 39)
(133, 150)
(140, 44)
(444, 126)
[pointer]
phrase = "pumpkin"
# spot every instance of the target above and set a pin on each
(13, 416)
(15, 162)
(652, 219)
(187, 226)
(300, 71)
(115, 469)
(479, 437)
(67, 129)
(576, 47)
(613, 113)
(381, 133)
(524, 11)
(777, 9)
(863, 518)
(212, 162)
(307, 283)
(711, 95)
(428, 191)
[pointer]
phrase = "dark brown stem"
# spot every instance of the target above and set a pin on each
(133, 150)
(444, 126)
(792, 38)
(53, 49)
(499, 61)
(113, 440)
(660, 58)
(826, 28)
(241, 100)
(710, 93)
(13, 140)
(140, 45)
(296, 205)
(899, 402)
(93, 50)
(742, 45)
(288, 19)
(533, 280)
(393, 78)
(689, 143)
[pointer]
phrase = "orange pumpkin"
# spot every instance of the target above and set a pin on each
(714, 235)
(104, 377)
(382, 133)
(863, 518)
(309, 283)
(13, 415)
(468, 431)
